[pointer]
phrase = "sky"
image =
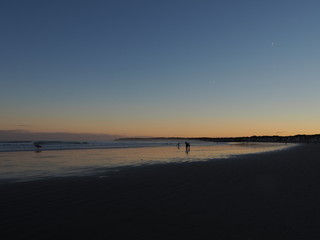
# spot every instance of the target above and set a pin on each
(191, 68)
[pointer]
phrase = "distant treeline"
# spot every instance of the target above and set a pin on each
(284, 139)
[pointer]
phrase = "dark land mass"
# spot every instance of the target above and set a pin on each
(282, 139)
(264, 196)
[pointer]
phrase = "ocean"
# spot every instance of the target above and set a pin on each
(21, 161)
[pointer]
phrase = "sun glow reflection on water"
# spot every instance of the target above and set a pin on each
(21, 166)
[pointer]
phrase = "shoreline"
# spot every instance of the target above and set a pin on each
(257, 196)
(18, 166)
(100, 147)
(299, 138)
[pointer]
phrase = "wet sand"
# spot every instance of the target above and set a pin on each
(260, 196)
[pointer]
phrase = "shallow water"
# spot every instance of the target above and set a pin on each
(29, 165)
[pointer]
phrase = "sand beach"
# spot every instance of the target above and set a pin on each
(271, 195)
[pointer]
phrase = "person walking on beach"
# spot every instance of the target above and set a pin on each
(187, 147)
(38, 146)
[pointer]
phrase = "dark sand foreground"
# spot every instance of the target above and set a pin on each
(261, 196)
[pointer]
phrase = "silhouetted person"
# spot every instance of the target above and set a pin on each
(187, 146)
(38, 146)
(178, 145)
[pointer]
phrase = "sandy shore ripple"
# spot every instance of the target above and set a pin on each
(261, 196)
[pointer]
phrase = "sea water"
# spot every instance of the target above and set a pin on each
(20, 161)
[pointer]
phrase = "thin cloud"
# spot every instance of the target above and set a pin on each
(280, 132)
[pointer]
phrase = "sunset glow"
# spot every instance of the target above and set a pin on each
(160, 68)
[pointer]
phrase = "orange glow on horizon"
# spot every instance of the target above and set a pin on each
(176, 128)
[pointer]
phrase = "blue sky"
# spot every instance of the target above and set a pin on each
(160, 68)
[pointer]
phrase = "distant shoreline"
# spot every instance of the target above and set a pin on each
(301, 138)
